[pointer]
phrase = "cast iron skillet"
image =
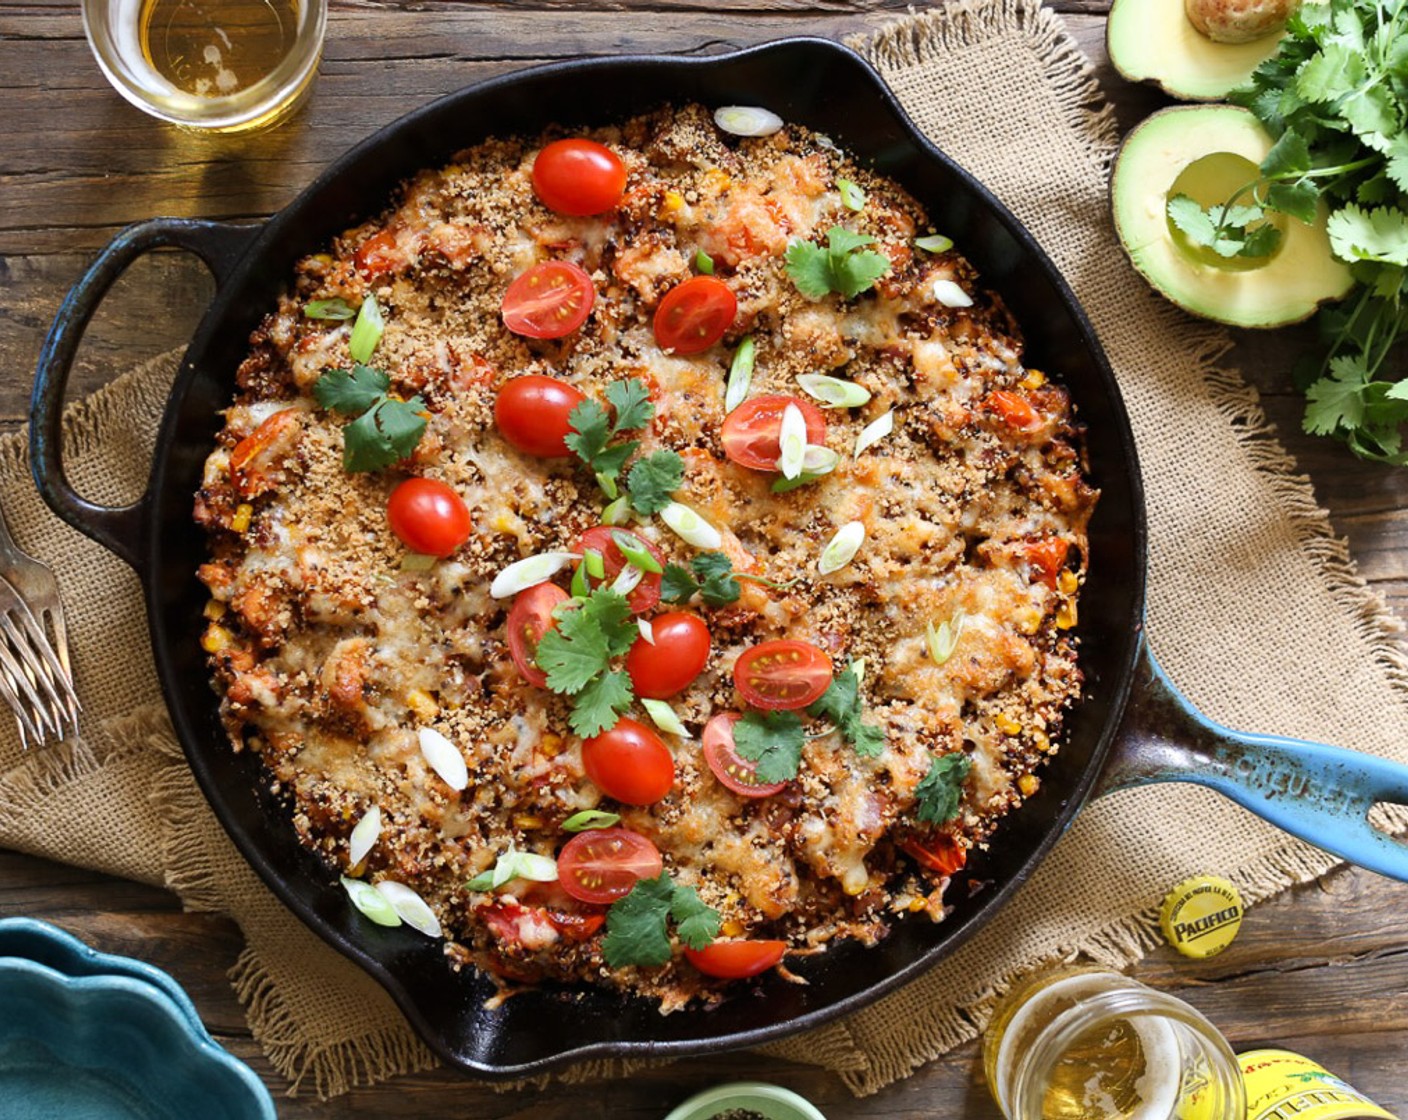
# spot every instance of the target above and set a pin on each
(1320, 793)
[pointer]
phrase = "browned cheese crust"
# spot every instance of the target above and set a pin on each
(329, 657)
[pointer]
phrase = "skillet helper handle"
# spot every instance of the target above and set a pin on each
(117, 528)
(1318, 793)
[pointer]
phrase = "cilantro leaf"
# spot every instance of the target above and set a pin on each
(1334, 72)
(1195, 222)
(352, 391)
(1297, 199)
(841, 704)
(585, 639)
(696, 923)
(677, 585)
(387, 429)
(1335, 402)
(591, 428)
(1380, 234)
(773, 740)
(1260, 242)
(600, 703)
(844, 266)
(653, 480)
(636, 930)
(939, 791)
(632, 402)
(713, 580)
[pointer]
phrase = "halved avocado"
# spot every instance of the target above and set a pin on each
(1153, 41)
(1208, 152)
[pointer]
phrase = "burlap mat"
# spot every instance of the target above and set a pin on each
(1254, 608)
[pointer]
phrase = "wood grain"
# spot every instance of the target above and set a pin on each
(1323, 969)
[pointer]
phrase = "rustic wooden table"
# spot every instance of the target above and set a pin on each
(1322, 969)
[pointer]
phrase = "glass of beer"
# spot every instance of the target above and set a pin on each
(1091, 1044)
(214, 65)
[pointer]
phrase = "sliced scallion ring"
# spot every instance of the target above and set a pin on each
(580, 588)
(627, 580)
(841, 549)
(874, 432)
(792, 439)
(690, 527)
(934, 243)
(646, 630)
(608, 485)
(950, 294)
(618, 512)
(704, 263)
(818, 460)
(444, 758)
(515, 865)
(336, 308)
(410, 907)
(529, 572)
(942, 640)
(747, 120)
(663, 716)
(590, 818)
(832, 391)
(366, 331)
(852, 197)
(364, 836)
(635, 552)
(783, 485)
(594, 563)
(740, 374)
(371, 902)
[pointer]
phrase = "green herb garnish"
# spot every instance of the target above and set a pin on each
(844, 266)
(366, 331)
(1228, 230)
(637, 926)
(593, 429)
(590, 818)
(852, 197)
(653, 479)
(576, 657)
(774, 741)
(713, 579)
(840, 703)
(940, 789)
(336, 308)
(387, 429)
(704, 263)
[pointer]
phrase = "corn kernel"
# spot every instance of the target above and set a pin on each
(551, 745)
(502, 524)
(214, 609)
(1028, 784)
(1066, 616)
(215, 639)
(525, 821)
(422, 703)
(322, 258)
(1030, 621)
(1035, 379)
(917, 904)
(1006, 724)
(1067, 581)
(731, 928)
(673, 201)
(1041, 742)
(240, 521)
(717, 179)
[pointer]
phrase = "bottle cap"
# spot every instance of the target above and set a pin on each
(1201, 916)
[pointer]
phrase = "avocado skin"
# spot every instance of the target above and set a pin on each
(1301, 275)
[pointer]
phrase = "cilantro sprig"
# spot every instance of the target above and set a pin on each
(774, 741)
(386, 428)
(941, 789)
(844, 265)
(637, 926)
(575, 655)
(841, 704)
(712, 579)
(653, 478)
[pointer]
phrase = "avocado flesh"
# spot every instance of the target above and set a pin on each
(1152, 41)
(1294, 281)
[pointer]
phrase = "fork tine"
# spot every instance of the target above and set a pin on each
(54, 617)
(20, 683)
(28, 730)
(38, 662)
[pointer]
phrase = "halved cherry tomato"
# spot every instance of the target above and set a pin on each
(378, 255)
(603, 864)
(751, 432)
(578, 177)
(782, 674)
(1014, 409)
(695, 314)
(647, 591)
(677, 656)
(517, 926)
(529, 619)
(939, 852)
(629, 763)
(1047, 558)
(735, 960)
(428, 516)
(532, 411)
(551, 299)
(736, 772)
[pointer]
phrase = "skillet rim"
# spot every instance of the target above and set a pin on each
(281, 883)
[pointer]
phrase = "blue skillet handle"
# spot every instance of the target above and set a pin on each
(1319, 793)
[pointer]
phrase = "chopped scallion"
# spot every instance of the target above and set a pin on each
(366, 331)
(635, 553)
(627, 580)
(792, 439)
(942, 640)
(364, 836)
(336, 308)
(704, 263)
(646, 630)
(579, 587)
(608, 485)
(950, 294)
(594, 563)
(740, 374)
(417, 562)
(371, 902)
(664, 717)
(690, 527)
(874, 432)
(444, 758)
(411, 908)
(852, 197)
(934, 243)
(747, 120)
(529, 572)
(832, 391)
(841, 549)
(818, 460)
(617, 512)
(590, 818)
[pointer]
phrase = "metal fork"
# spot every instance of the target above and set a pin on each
(36, 679)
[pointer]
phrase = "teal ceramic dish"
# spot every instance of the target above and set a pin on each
(772, 1102)
(88, 1036)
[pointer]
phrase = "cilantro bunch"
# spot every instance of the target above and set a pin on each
(1335, 97)
(844, 266)
(653, 478)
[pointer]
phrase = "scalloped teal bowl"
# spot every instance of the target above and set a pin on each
(88, 1036)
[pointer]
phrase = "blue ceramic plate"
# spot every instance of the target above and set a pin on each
(88, 1036)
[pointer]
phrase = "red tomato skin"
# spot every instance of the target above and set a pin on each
(679, 654)
(550, 300)
(532, 411)
(736, 960)
(578, 177)
(803, 671)
(939, 853)
(731, 768)
(647, 592)
(629, 763)
(428, 516)
(603, 864)
(1047, 558)
(529, 619)
(378, 255)
(1015, 410)
(694, 315)
(750, 433)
